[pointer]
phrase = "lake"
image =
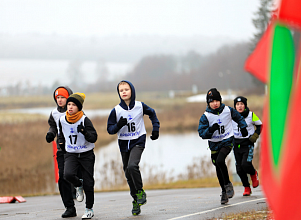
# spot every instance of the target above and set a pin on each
(170, 158)
(46, 72)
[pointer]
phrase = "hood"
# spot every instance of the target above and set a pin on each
(60, 109)
(216, 111)
(133, 96)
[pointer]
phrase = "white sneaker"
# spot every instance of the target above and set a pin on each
(88, 214)
(80, 192)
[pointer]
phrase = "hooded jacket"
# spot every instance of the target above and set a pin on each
(51, 121)
(126, 145)
(206, 134)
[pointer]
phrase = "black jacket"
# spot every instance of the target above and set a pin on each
(52, 124)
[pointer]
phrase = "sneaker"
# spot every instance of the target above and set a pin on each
(247, 191)
(70, 212)
(80, 192)
(88, 214)
(136, 208)
(229, 190)
(141, 197)
(255, 180)
(224, 198)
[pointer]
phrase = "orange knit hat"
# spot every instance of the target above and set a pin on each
(62, 92)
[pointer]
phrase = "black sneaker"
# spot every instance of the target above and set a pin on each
(136, 208)
(229, 190)
(70, 212)
(141, 197)
(224, 198)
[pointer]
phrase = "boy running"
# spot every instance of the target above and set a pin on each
(244, 146)
(126, 119)
(60, 96)
(216, 125)
(77, 136)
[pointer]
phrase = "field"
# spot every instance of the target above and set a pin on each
(26, 164)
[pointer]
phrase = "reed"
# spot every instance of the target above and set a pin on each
(26, 159)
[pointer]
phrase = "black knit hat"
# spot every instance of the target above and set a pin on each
(78, 99)
(213, 94)
(240, 99)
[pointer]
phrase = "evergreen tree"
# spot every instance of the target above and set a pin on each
(261, 20)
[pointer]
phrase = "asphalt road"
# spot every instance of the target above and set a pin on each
(200, 203)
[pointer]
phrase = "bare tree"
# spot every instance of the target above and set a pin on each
(75, 74)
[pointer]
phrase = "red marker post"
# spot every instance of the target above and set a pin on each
(56, 169)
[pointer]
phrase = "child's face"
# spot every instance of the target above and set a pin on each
(214, 104)
(240, 107)
(61, 100)
(72, 108)
(125, 92)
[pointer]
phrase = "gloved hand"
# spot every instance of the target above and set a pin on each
(50, 137)
(213, 128)
(122, 122)
(81, 129)
(62, 146)
(244, 132)
(253, 138)
(155, 135)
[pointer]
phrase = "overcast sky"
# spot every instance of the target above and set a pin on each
(231, 18)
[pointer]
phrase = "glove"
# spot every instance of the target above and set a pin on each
(62, 146)
(50, 137)
(253, 138)
(155, 135)
(244, 132)
(122, 122)
(81, 129)
(213, 128)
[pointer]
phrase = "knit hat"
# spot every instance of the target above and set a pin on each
(240, 99)
(213, 94)
(78, 99)
(62, 91)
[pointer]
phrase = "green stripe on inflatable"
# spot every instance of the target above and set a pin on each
(282, 65)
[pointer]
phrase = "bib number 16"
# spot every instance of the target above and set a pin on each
(131, 127)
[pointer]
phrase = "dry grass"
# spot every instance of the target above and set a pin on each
(264, 214)
(26, 163)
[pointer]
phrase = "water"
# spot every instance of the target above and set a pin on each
(46, 72)
(46, 111)
(166, 159)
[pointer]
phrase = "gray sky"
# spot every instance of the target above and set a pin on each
(231, 18)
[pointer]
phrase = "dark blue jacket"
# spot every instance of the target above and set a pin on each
(112, 128)
(204, 127)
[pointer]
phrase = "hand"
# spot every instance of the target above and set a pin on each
(50, 137)
(155, 135)
(122, 122)
(62, 146)
(213, 128)
(253, 138)
(244, 132)
(81, 129)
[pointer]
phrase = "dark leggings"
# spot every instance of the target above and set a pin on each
(131, 160)
(85, 161)
(64, 186)
(219, 161)
(243, 157)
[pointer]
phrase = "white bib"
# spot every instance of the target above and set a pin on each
(224, 120)
(250, 128)
(135, 123)
(75, 142)
(56, 116)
